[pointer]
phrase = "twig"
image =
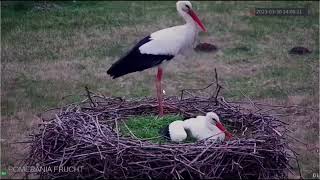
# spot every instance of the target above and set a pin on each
(132, 134)
(89, 136)
(89, 96)
(218, 86)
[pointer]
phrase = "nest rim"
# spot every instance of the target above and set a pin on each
(197, 150)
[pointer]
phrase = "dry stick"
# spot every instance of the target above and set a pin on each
(199, 89)
(129, 129)
(300, 141)
(201, 154)
(189, 166)
(77, 126)
(217, 92)
(251, 102)
(118, 136)
(156, 137)
(297, 161)
(218, 86)
(89, 96)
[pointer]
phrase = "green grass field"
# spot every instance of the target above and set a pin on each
(51, 51)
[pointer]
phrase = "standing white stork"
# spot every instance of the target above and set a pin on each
(159, 47)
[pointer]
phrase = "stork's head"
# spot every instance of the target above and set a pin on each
(185, 10)
(214, 118)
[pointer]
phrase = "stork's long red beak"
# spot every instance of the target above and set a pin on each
(197, 20)
(223, 129)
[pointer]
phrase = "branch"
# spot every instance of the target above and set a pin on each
(92, 104)
(218, 86)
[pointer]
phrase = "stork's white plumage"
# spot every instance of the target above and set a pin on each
(159, 47)
(177, 132)
(209, 126)
(200, 128)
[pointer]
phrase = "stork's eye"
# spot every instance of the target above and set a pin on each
(187, 6)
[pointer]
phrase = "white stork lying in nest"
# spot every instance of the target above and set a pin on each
(200, 128)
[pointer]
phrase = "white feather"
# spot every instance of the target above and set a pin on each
(202, 127)
(177, 132)
(174, 40)
(171, 41)
(212, 115)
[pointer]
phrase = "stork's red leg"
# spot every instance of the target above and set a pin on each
(159, 90)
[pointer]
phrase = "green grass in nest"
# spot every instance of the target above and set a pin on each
(149, 127)
(145, 127)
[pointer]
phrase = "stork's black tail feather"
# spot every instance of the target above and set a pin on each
(164, 132)
(120, 68)
(135, 61)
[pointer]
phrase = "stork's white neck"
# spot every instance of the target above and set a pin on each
(192, 25)
(189, 21)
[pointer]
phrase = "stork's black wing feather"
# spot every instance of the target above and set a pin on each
(164, 132)
(135, 61)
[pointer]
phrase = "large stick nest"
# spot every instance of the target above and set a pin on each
(87, 135)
